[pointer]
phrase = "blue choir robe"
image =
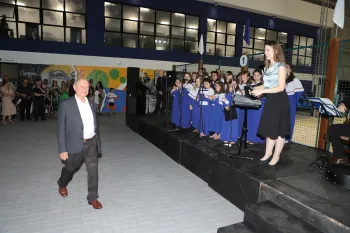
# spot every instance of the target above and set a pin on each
(294, 90)
(195, 114)
(203, 103)
(181, 115)
(254, 115)
(229, 129)
(216, 114)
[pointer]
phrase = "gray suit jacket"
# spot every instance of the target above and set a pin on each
(70, 128)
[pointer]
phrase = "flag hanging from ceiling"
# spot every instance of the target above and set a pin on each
(338, 15)
(201, 46)
(246, 35)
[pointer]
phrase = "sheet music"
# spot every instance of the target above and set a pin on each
(328, 105)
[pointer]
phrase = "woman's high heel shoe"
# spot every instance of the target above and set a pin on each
(266, 160)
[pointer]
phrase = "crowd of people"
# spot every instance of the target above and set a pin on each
(206, 103)
(40, 100)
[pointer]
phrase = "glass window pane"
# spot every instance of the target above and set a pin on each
(130, 12)
(211, 24)
(309, 52)
(147, 29)
(130, 41)
(220, 38)
(294, 60)
(76, 35)
(221, 27)
(310, 41)
(271, 35)
(77, 6)
(178, 19)
(130, 26)
(295, 50)
(177, 32)
(28, 15)
(308, 61)
(162, 44)
(192, 34)
(53, 5)
(192, 22)
(302, 52)
(230, 51)
(231, 28)
(75, 20)
(260, 33)
(12, 2)
(163, 30)
(147, 15)
(113, 10)
(283, 46)
(301, 60)
(112, 24)
(247, 51)
(259, 44)
(245, 45)
(29, 31)
(13, 29)
(282, 37)
(53, 33)
(211, 37)
(112, 38)
(146, 42)
(53, 17)
(31, 3)
(191, 47)
(231, 40)
(163, 17)
(258, 56)
(220, 50)
(210, 49)
(296, 40)
(177, 45)
(302, 41)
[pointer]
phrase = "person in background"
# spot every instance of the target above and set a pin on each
(100, 95)
(214, 78)
(216, 113)
(64, 91)
(161, 86)
(176, 106)
(194, 106)
(336, 132)
(55, 90)
(111, 100)
(275, 119)
(4, 27)
(8, 108)
(71, 91)
(294, 90)
(91, 94)
(194, 76)
(204, 105)
(24, 91)
(39, 101)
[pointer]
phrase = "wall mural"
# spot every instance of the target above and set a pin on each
(111, 77)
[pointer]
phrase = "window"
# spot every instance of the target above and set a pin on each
(301, 55)
(52, 20)
(221, 38)
(258, 39)
(138, 27)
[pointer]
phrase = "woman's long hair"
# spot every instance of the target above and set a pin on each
(291, 74)
(277, 52)
(222, 87)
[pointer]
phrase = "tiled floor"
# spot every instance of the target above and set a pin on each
(142, 190)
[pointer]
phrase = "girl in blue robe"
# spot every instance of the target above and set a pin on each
(217, 110)
(295, 90)
(194, 107)
(229, 130)
(175, 93)
(203, 103)
(186, 102)
(254, 115)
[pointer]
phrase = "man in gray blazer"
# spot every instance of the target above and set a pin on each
(79, 140)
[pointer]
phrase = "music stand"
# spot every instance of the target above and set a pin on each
(327, 109)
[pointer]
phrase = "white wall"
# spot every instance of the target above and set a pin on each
(294, 10)
(64, 59)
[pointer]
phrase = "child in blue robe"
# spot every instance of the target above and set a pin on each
(203, 103)
(175, 93)
(194, 107)
(217, 110)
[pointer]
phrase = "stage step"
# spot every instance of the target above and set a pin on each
(235, 228)
(266, 217)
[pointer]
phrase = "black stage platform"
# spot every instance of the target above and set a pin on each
(302, 197)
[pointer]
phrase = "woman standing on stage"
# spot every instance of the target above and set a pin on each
(275, 119)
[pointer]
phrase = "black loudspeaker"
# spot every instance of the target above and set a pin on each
(133, 74)
(136, 93)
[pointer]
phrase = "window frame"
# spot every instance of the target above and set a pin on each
(154, 35)
(41, 23)
(304, 56)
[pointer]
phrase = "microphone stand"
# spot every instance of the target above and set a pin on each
(200, 110)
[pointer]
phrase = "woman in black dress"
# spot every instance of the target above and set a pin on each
(275, 119)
